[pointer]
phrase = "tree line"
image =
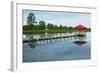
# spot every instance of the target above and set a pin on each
(32, 24)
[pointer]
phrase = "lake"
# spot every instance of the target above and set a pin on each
(73, 47)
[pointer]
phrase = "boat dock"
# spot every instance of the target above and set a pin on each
(42, 39)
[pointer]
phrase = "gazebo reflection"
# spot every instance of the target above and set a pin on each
(80, 35)
(80, 39)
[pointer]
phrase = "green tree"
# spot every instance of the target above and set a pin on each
(50, 26)
(60, 27)
(42, 25)
(31, 19)
(70, 27)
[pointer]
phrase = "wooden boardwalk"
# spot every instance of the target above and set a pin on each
(42, 39)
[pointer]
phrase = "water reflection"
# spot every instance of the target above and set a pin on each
(56, 46)
(80, 39)
(32, 44)
(34, 40)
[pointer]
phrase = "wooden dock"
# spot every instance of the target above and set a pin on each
(42, 39)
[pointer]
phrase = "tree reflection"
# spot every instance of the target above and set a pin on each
(32, 44)
(45, 38)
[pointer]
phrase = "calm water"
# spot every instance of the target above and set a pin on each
(72, 48)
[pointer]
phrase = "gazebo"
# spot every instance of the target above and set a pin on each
(79, 36)
(80, 27)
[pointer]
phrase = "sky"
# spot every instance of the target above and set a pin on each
(58, 17)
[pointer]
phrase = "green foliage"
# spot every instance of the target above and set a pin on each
(41, 26)
(31, 19)
(28, 27)
(50, 26)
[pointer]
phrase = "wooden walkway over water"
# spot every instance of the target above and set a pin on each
(49, 38)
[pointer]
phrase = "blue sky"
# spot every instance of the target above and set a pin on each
(65, 18)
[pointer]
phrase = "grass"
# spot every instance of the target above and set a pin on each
(53, 31)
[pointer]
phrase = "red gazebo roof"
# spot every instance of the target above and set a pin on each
(80, 27)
